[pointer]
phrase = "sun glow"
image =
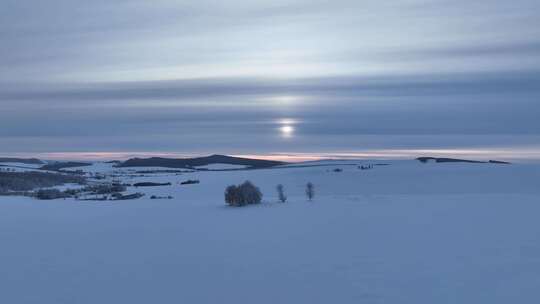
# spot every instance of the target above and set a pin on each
(286, 130)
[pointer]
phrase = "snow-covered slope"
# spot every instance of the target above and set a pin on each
(96, 167)
(402, 233)
(19, 167)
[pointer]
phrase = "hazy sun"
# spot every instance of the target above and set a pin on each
(286, 131)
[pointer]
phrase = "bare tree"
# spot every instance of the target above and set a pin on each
(231, 195)
(310, 191)
(281, 193)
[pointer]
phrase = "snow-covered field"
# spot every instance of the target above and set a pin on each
(402, 233)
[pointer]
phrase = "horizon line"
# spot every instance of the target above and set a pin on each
(514, 154)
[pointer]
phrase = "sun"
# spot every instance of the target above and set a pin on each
(286, 130)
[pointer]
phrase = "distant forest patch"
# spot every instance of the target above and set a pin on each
(62, 165)
(29, 161)
(26, 181)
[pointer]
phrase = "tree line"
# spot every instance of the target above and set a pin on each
(247, 194)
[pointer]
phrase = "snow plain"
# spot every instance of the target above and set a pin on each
(405, 232)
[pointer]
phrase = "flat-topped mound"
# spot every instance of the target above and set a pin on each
(63, 165)
(457, 160)
(190, 163)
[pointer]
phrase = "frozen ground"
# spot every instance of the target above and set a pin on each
(402, 233)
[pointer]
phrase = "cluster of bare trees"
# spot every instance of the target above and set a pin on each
(310, 192)
(247, 193)
(244, 194)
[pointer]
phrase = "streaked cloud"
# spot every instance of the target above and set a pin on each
(209, 76)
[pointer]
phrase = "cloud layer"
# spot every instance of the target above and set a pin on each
(207, 77)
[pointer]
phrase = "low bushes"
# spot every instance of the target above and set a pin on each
(104, 188)
(190, 182)
(122, 197)
(161, 197)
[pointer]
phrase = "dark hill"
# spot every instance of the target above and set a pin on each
(62, 165)
(29, 161)
(456, 160)
(447, 160)
(187, 163)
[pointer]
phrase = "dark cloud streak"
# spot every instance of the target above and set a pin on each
(413, 85)
(207, 75)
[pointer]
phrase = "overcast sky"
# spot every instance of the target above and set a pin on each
(338, 77)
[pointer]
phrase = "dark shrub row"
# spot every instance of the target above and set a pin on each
(150, 184)
(104, 188)
(49, 194)
(190, 182)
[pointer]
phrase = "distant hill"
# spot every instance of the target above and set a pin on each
(456, 160)
(188, 163)
(62, 165)
(29, 161)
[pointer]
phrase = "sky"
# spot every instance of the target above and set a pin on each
(307, 78)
